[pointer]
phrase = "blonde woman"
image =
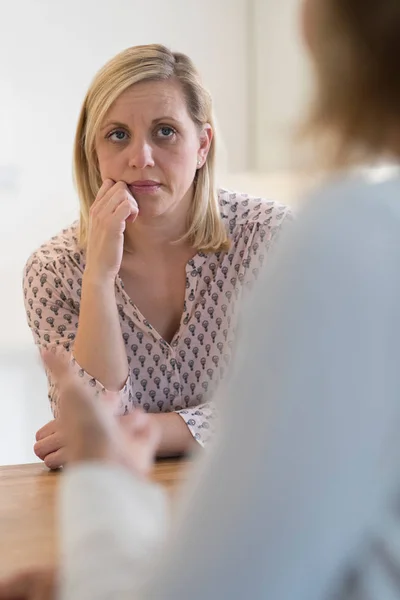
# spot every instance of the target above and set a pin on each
(144, 293)
(304, 504)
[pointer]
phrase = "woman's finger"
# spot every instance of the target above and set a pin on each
(134, 421)
(127, 210)
(139, 424)
(106, 186)
(142, 437)
(46, 430)
(55, 460)
(107, 204)
(29, 585)
(16, 588)
(48, 445)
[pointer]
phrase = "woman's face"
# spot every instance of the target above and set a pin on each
(149, 141)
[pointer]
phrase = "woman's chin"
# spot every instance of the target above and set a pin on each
(150, 210)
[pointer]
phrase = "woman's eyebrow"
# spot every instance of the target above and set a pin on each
(109, 124)
(165, 118)
(113, 124)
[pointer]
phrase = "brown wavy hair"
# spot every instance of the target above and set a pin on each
(355, 47)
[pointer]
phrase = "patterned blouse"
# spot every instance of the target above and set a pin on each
(181, 376)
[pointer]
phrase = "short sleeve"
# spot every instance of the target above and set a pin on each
(52, 308)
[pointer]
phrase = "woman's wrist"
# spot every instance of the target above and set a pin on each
(176, 438)
(94, 279)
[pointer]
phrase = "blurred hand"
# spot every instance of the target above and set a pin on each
(50, 445)
(113, 207)
(30, 585)
(87, 429)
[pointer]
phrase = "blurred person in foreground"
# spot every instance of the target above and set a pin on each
(305, 504)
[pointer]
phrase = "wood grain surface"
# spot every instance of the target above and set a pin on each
(27, 511)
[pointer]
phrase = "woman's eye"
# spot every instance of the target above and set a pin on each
(117, 136)
(166, 132)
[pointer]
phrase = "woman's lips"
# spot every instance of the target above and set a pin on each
(148, 187)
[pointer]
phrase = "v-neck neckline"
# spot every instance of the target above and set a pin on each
(192, 269)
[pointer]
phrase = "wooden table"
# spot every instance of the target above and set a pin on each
(27, 512)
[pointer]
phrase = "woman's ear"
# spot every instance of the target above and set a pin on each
(206, 137)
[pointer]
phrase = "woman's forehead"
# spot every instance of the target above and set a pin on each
(151, 99)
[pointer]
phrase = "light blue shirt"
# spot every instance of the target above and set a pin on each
(282, 509)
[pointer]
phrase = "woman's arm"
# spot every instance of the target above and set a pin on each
(99, 347)
(175, 436)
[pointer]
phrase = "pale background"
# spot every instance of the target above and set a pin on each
(251, 59)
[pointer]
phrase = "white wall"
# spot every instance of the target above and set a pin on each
(281, 84)
(49, 52)
(23, 405)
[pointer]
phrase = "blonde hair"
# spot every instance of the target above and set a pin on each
(205, 230)
(355, 47)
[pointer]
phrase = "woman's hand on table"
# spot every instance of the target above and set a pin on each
(35, 584)
(50, 445)
(175, 438)
(87, 429)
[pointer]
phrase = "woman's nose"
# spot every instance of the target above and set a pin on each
(141, 155)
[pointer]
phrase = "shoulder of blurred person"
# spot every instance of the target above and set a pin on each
(360, 189)
(356, 215)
